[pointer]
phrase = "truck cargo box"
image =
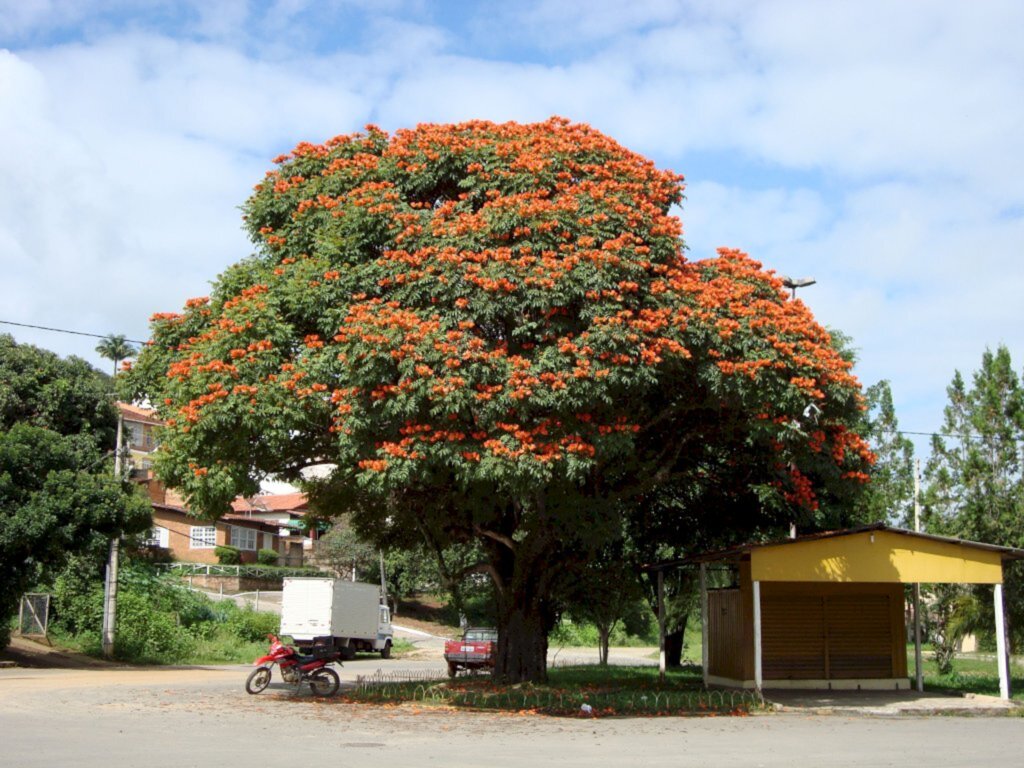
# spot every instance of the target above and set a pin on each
(350, 612)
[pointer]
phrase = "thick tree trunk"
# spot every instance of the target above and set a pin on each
(522, 641)
(674, 645)
(604, 635)
(525, 615)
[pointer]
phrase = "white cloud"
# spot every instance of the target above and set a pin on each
(875, 146)
(122, 200)
(755, 220)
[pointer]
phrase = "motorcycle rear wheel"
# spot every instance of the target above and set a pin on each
(258, 679)
(324, 682)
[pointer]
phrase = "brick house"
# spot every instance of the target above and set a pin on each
(286, 510)
(270, 521)
(194, 540)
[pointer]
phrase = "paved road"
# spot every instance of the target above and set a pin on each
(163, 718)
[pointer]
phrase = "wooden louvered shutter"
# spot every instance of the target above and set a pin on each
(859, 636)
(793, 638)
(725, 633)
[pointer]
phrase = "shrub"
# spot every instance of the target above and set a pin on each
(78, 597)
(250, 626)
(267, 557)
(228, 555)
(147, 633)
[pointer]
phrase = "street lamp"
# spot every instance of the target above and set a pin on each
(799, 282)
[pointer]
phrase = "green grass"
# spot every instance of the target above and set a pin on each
(584, 691)
(969, 675)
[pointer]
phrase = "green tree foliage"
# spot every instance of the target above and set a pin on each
(492, 334)
(889, 497)
(607, 592)
(116, 348)
(57, 491)
(342, 550)
(409, 566)
(68, 396)
(974, 484)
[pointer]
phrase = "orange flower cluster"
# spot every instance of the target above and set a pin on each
(508, 274)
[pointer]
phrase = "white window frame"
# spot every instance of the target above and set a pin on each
(202, 537)
(241, 538)
(158, 537)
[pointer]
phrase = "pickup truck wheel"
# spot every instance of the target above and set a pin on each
(453, 669)
(385, 652)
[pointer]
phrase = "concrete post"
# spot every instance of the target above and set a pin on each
(109, 628)
(757, 636)
(918, 663)
(704, 621)
(661, 625)
(1003, 659)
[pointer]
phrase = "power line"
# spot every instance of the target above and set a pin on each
(65, 330)
(964, 436)
(136, 341)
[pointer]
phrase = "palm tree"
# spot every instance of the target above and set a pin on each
(117, 348)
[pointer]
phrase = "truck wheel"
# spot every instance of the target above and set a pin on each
(385, 652)
(258, 679)
(453, 669)
(324, 682)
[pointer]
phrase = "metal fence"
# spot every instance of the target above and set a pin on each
(34, 614)
(266, 600)
(426, 686)
(237, 571)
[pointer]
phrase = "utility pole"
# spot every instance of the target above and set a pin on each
(110, 581)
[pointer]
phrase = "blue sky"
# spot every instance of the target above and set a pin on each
(875, 146)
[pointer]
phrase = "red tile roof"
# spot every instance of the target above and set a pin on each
(137, 413)
(272, 502)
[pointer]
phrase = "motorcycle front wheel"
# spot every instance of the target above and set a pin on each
(259, 679)
(324, 682)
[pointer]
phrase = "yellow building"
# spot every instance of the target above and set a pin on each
(827, 610)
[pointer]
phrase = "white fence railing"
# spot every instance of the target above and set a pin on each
(235, 571)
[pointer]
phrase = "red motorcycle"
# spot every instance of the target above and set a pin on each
(296, 668)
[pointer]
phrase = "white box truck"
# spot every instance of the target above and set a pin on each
(354, 615)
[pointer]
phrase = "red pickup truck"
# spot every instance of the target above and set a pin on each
(475, 650)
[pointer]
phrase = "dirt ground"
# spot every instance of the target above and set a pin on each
(41, 655)
(110, 716)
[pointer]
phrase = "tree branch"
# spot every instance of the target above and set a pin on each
(495, 536)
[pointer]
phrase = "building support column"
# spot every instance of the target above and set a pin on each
(918, 664)
(661, 625)
(1004, 660)
(757, 636)
(704, 621)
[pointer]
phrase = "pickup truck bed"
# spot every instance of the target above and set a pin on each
(475, 650)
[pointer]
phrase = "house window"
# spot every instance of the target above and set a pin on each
(202, 537)
(135, 434)
(158, 537)
(243, 538)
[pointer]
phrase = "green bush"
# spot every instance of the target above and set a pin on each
(267, 557)
(249, 626)
(228, 555)
(159, 621)
(585, 635)
(148, 634)
(78, 597)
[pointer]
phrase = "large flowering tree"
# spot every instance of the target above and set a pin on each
(491, 334)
